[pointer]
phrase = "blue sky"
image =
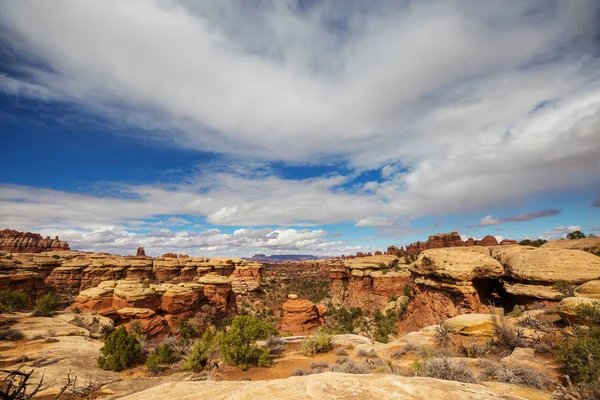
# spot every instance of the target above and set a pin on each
(214, 128)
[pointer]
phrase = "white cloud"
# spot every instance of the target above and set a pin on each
(488, 221)
(365, 85)
(242, 242)
(562, 231)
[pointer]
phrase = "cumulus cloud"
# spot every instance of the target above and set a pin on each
(563, 230)
(362, 83)
(489, 220)
(242, 242)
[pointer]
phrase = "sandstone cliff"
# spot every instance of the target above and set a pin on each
(27, 242)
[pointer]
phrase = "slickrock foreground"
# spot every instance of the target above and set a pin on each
(330, 386)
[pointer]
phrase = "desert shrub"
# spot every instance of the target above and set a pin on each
(314, 290)
(7, 322)
(443, 368)
(366, 353)
(473, 349)
(385, 325)
(301, 372)
(186, 329)
(136, 327)
(506, 337)
(204, 350)
(319, 364)
(320, 342)
(46, 305)
(350, 367)
(443, 336)
(534, 243)
(567, 289)
(11, 335)
(121, 350)
(275, 344)
(153, 364)
(239, 347)
(579, 391)
(344, 319)
(576, 235)
(340, 351)
(517, 311)
(515, 374)
(162, 355)
(12, 300)
(341, 359)
(406, 290)
(580, 353)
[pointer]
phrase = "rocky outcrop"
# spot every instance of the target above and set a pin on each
(246, 278)
(450, 282)
(471, 324)
(591, 245)
(140, 252)
(27, 242)
(300, 316)
(127, 300)
(487, 241)
(568, 309)
(332, 385)
(589, 289)
(508, 242)
(531, 273)
(368, 282)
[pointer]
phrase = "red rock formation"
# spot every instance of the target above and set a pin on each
(27, 242)
(378, 253)
(508, 241)
(300, 316)
(487, 241)
(391, 251)
(360, 254)
(140, 252)
(169, 255)
(470, 242)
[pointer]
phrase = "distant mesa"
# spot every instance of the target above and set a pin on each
(283, 257)
(27, 242)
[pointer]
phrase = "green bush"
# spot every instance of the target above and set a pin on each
(187, 330)
(517, 311)
(204, 350)
(576, 235)
(239, 345)
(580, 354)
(320, 342)
(344, 319)
(46, 305)
(385, 325)
(534, 243)
(121, 350)
(407, 290)
(12, 300)
(567, 289)
(162, 355)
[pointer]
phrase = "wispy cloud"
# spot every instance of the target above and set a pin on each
(490, 221)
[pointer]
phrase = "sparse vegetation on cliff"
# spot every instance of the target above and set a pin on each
(204, 350)
(534, 243)
(385, 325)
(46, 305)
(12, 300)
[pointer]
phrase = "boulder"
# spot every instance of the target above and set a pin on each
(589, 289)
(300, 316)
(95, 324)
(567, 309)
(471, 324)
(459, 264)
(527, 264)
(591, 245)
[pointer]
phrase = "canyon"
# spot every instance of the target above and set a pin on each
(443, 280)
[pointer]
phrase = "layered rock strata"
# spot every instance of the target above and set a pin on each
(368, 282)
(27, 242)
(300, 316)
